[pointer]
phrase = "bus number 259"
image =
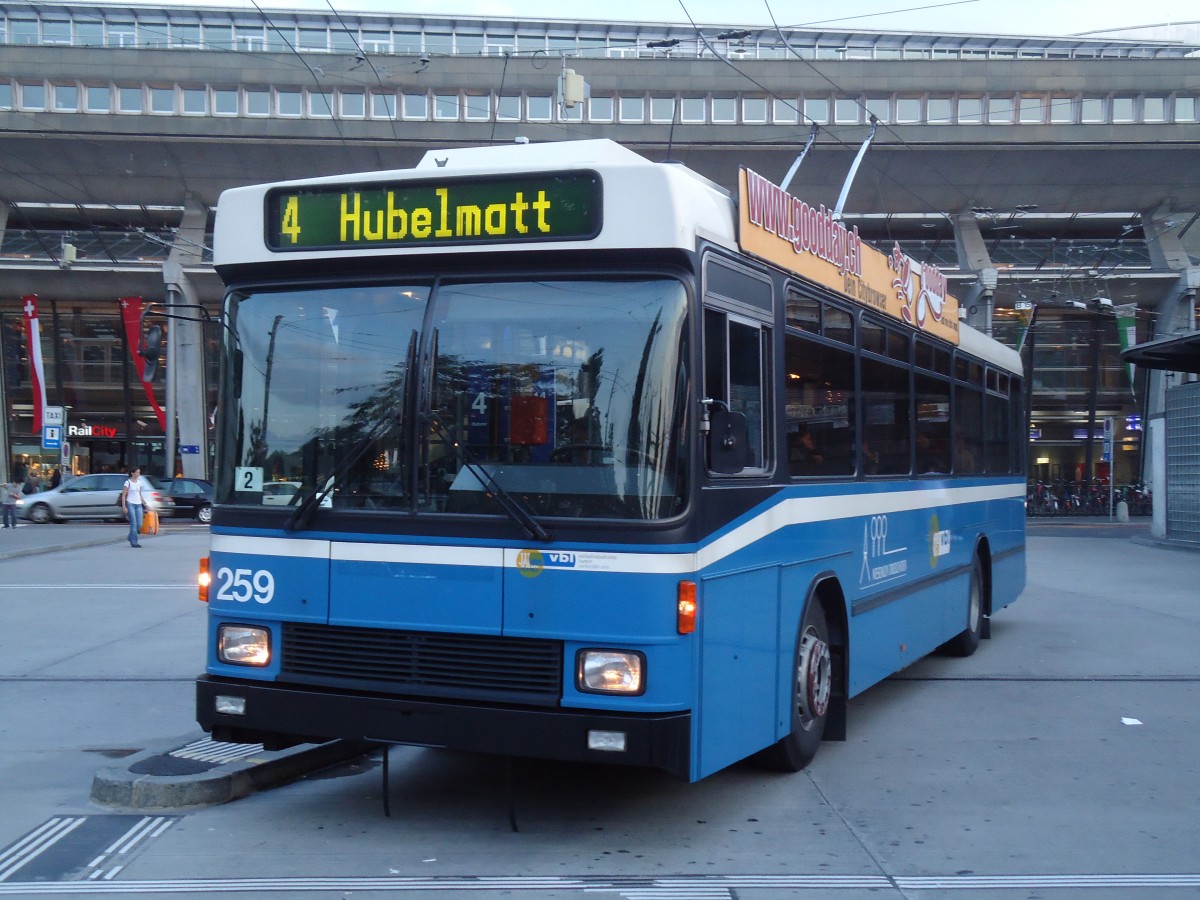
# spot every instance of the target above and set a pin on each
(243, 585)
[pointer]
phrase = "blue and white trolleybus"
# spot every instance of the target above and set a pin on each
(549, 450)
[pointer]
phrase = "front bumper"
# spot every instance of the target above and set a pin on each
(279, 715)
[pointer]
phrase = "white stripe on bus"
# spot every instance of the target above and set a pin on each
(786, 513)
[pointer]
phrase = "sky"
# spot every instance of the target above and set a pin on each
(1039, 17)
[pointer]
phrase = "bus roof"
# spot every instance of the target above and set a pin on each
(252, 225)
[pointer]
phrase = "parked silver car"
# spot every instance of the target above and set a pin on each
(89, 497)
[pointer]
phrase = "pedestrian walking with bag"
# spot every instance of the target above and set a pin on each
(133, 501)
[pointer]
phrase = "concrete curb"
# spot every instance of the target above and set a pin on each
(38, 551)
(134, 784)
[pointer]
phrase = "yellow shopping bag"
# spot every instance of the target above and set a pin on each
(149, 523)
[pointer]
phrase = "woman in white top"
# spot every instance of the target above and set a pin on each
(133, 499)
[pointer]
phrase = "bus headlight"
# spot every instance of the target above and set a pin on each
(243, 645)
(610, 671)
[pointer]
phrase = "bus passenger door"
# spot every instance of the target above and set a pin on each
(740, 594)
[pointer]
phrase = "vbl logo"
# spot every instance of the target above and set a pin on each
(559, 559)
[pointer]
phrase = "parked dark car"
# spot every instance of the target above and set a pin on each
(192, 496)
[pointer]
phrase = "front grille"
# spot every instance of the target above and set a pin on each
(424, 664)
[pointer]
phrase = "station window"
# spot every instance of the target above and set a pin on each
(691, 109)
(376, 41)
(66, 97)
(508, 107)
(406, 41)
(185, 35)
(89, 34)
(846, 110)
(353, 104)
(908, 109)
(1000, 110)
(469, 44)
(342, 41)
(785, 110)
(162, 101)
(23, 31)
(6, 95)
(1154, 109)
(225, 102)
(633, 109)
(538, 107)
(195, 102)
(218, 37)
(939, 110)
(816, 109)
(33, 95)
(1031, 111)
(879, 107)
(1185, 109)
(122, 34)
(258, 102)
(724, 110)
(1091, 110)
(477, 107)
(314, 39)
(1123, 110)
(600, 109)
(289, 103)
(98, 98)
(662, 109)
(970, 110)
(445, 107)
(383, 106)
(56, 31)
(416, 106)
(754, 109)
(320, 104)
(1062, 109)
(129, 99)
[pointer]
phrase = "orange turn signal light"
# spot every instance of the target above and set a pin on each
(203, 579)
(685, 617)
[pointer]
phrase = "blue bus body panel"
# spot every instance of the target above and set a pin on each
(424, 588)
(901, 554)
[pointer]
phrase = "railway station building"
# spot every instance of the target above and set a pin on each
(1055, 181)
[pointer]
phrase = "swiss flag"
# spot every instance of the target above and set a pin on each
(37, 372)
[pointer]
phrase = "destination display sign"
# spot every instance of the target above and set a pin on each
(775, 226)
(505, 209)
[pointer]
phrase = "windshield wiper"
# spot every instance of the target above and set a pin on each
(304, 512)
(514, 508)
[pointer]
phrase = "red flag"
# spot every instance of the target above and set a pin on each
(131, 316)
(37, 372)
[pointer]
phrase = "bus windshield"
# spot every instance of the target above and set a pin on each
(567, 395)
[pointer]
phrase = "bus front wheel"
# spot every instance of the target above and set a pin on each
(812, 688)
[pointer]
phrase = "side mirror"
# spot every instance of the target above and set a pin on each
(728, 441)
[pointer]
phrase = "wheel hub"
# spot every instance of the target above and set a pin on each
(815, 677)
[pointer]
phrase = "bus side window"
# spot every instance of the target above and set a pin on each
(933, 424)
(819, 400)
(734, 373)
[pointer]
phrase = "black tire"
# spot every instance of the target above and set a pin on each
(204, 515)
(39, 514)
(966, 641)
(812, 692)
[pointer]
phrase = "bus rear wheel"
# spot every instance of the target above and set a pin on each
(966, 641)
(812, 688)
